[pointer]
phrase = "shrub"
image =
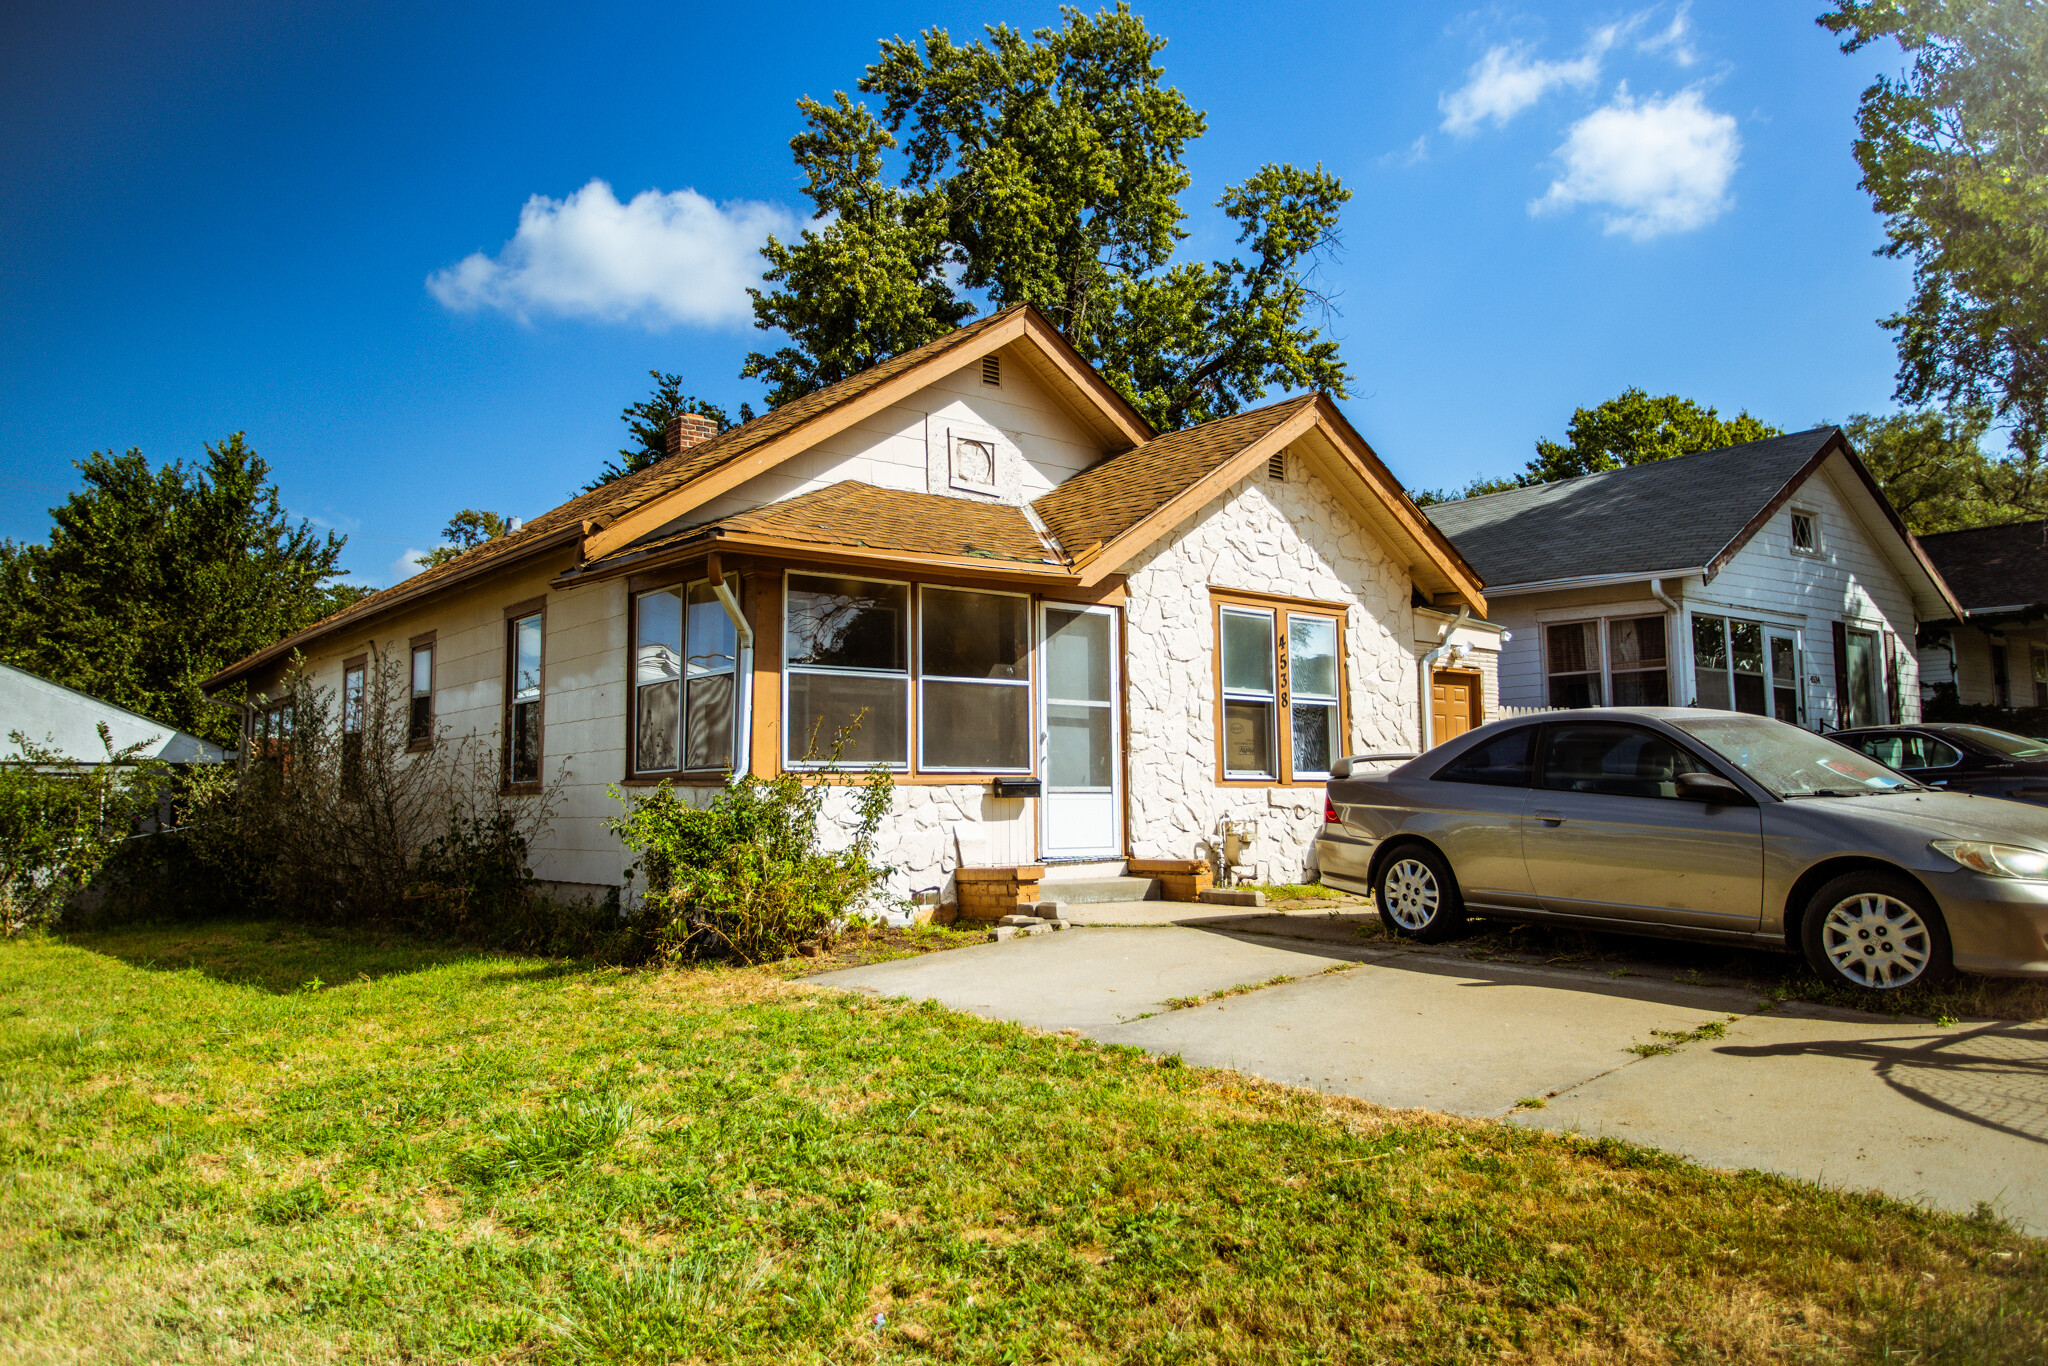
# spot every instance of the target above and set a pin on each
(749, 874)
(61, 820)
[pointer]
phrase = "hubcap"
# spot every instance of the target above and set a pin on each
(1411, 893)
(1876, 940)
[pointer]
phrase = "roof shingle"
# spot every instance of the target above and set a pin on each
(1993, 566)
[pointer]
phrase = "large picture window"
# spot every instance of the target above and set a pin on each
(686, 684)
(974, 681)
(1280, 704)
(1746, 666)
(846, 655)
(1608, 662)
(525, 637)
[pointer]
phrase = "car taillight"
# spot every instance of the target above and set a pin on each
(1330, 816)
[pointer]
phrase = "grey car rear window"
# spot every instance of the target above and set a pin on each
(1502, 761)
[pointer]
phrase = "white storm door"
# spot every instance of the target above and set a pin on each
(1080, 805)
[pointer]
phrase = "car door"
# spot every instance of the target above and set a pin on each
(1481, 801)
(1609, 838)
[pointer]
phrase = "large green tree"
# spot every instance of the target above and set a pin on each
(467, 530)
(1045, 168)
(648, 422)
(1954, 152)
(153, 579)
(1933, 468)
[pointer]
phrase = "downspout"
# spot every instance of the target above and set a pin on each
(744, 665)
(1681, 651)
(1428, 663)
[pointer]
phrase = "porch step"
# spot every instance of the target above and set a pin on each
(1087, 891)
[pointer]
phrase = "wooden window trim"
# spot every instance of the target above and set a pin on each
(518, 612)
(1283, 694)
(743, 689)
(430, 642)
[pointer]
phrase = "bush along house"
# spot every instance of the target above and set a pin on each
(1772, 577)
(1081, 646)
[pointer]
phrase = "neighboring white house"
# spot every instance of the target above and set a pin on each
(1996, 654)
(1077, 642)
(1771, 577)
(68, 722)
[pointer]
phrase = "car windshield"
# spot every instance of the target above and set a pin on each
(2000, 742)
(1788, 761)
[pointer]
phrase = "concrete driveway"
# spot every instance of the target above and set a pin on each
(1951, 1117)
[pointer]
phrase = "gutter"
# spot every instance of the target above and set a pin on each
(1428, 662)
(1588, 581)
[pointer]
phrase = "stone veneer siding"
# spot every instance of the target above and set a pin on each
(1287, 538)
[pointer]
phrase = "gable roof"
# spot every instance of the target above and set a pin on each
(1994, 567)
(68, 721)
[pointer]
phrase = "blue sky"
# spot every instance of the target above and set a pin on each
(256, 217)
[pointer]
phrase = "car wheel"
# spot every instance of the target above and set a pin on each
(1417, 896)
(1875, 931)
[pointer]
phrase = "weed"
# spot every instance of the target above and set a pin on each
(1675, 1039)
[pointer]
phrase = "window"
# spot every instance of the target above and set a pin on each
(974, 464)
(1636, 659)
(1742, 666)
(1573, 648)
(1249, 696)
(353, 674)
(1909, 750)
(846, 653)
(1312, 673)
(685, 680)
(974, 681)
(524, 635)
(1805, 532)
(2001, 678)
(1613, 761)
(2040, 677)
(1502, 761)
(419, 730)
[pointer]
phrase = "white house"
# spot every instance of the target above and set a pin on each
(1077, 642)
(67, 722)
(1771, 577)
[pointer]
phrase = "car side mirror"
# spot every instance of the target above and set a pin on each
(1709, 787)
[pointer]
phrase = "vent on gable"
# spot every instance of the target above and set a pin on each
(992, 370)
(1276, 467)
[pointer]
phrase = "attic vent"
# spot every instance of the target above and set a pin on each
(1276, 467)
(992, 370)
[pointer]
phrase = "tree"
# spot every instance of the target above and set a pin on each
(1634, 429)
(1954, 153)
(466, 530)
(1932, 467)
(152, 580)
(648, 421)
(1045, 169)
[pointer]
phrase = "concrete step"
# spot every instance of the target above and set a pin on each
(1088, 891)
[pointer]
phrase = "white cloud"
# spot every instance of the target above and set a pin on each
(656, 259)
(1508, 80)
(1656, 167)
(1675, 38)
(1415, 153)
(407, 565)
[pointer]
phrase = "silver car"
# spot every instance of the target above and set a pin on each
(1697, 824)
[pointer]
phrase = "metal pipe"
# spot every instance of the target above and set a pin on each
(1681, 648)
(1428, 663)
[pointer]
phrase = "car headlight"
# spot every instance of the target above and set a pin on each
(1998, 860)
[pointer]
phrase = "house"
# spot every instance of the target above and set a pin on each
(1771, 577)
(67, 722)
(1075, 641)
(1995, 653)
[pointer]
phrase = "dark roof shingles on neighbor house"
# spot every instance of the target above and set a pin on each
(1667, 515)
(1990, 567)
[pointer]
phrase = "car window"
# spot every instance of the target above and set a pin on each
(1615, 761)
(1924, 751)
(1788, 761)
(1502, 761)
(1889, 750)
(2003, 743)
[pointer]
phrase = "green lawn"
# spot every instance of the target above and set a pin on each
(260, 1143)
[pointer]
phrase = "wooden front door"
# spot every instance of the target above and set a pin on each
(1456, 703)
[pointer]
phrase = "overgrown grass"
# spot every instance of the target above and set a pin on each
(445, 1156)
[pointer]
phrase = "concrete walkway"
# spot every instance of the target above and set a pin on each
(1947, 1116)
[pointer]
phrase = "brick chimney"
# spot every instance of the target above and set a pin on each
(690, 429)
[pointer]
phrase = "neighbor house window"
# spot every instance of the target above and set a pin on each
(1745, 666)
(525, 634)
(1805, 533)
(1249, 695)
(846, 659)
(354, 673)
(974, 681)
(685, 680)
(419, 729)
(1573, 661)
(1637, 661)
(1312, 673)
(2040, 677)
(2001, 678)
